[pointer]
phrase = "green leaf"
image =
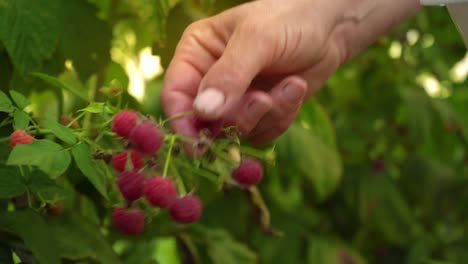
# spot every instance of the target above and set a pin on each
(29, 31)
(44, 187)
(97, 108)
(83, 159)
(20, 119)
(78, 22)
(62, 132)
(59, 84)
(382, 207)
(88, 209)
(314, 159)
(420, 118)
(326, 250)
(314, 117)
(223, 249)
(20, 100)
(77, 239)
(5, 103)
(35, 233)
(47, 155)
(11, 182)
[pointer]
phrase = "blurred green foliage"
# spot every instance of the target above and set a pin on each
(375, 170)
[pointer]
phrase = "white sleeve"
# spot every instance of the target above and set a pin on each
(441, 2)
(458, 9)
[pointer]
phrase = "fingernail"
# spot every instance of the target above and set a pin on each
(255, 109)
(292, 93)
(209, 101)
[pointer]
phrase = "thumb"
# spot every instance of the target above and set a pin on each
(230, 76)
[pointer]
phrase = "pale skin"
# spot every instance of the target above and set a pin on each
(254, 65)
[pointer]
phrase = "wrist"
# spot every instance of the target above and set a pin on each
(364, 21)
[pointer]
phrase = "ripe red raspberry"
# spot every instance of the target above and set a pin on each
(20, 136)
(186, 209)
(212, 128)
(124, 122)
(130, 222)
(249, 172)
(119, 160)
(160, 192)
(131, 185)
(147, 138)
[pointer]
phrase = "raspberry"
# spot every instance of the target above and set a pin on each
(378, 165)
(124, 122)
(160, 192)
(210, 128)
(249, 172)
(20, 136)
(66, 119)
(119, 161)
(130, 222)
(186, 209)
(146, 138)
(131, 185)
(56, 209)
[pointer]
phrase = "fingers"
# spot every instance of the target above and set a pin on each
(249, 111)
(287, 98)
(197, 50)
(177, 99)
(276, 131)
(230, 76)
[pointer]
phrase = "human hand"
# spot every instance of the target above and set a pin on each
(253, 65)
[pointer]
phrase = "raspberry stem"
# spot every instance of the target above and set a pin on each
(257, 200)
(177, 116)
(169, 154)
(6, 121)
(76, 119)
(179, 182)
(262, 155)
(201, 172)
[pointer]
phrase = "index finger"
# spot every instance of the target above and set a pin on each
(198, 49)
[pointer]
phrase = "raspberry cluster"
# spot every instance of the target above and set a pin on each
(145, 139)
(144, 185)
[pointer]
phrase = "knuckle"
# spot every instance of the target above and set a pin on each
(195, 29)
(260, 30)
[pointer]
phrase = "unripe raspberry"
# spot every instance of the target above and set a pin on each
(249, 172)
(56, 209)
(124, 122)
(131, 185)
(66, 119)
(211, 128)
(119, 160)
(160, 192)
(147, 138)
(186, 209)
(20, 136)
(130, 222)
(378, 165)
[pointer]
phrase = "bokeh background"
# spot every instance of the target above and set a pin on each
(375, 170)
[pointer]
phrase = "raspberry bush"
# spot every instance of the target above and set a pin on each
(373, 171)
(131, 163)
